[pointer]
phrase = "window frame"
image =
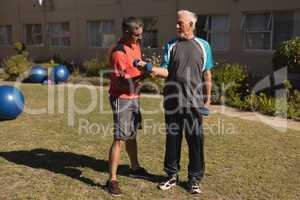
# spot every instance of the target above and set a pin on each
(42, 34)
(89, 42)
(208, 31)
(9, 43)
(270, 25)
(49, 35)
(152, 31)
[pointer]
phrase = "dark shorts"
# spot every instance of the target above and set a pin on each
(127, 117)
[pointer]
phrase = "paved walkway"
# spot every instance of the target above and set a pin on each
(277, 123)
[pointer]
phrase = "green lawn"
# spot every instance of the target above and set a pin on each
(41, 157)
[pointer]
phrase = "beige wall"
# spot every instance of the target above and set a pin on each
(78, 12)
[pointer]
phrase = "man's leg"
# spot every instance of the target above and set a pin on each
(131, 148)
(114, 157)
(136, 170)
(173, 143)
(172, 150)
(115, 149)
(195, 140)
(131, 144)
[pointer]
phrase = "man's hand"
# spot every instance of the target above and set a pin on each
(142, 65)
(207, 103)
(149, 68)
(203, 111)
(139, 63)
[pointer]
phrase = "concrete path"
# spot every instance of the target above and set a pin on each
(277, 123)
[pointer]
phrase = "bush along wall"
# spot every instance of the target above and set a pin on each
(231, 87)
(16, 65)
(288, 55)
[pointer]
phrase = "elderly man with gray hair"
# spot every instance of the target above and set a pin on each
(187, 61)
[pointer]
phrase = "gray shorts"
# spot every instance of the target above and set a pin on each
(127, 117)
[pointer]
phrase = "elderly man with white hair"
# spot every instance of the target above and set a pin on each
(187, 62)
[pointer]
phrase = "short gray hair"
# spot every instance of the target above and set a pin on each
(192, 16)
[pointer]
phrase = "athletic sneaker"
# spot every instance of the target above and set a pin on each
(170, 182)
(194, 187)
(113, 188)
(139, 173)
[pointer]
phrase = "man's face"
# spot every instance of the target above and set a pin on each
(184, 26)
(137, 31)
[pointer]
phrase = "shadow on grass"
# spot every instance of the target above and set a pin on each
(65, 163)
(5, 120)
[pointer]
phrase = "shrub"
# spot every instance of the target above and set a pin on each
(293, 110)
(287, 85)
(153, 84)
(279, 106)
(75, 70)
(19, 47)
(229, 84)
(3, 75)
(293, 104)
(16, 65)
(249, 103)
(93, 66)
(266, 104)
(288, 54)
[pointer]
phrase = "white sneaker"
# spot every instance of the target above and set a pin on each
(194, 188)
(170, 182)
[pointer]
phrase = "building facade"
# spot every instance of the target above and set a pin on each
(239, 31)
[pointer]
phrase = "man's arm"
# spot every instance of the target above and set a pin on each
(208, 65)
(149, 68)
(120, 63)
(159, 71)
(207, 78)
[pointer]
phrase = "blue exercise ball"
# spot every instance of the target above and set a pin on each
(38, 74)
(60, 73)
(11, 102)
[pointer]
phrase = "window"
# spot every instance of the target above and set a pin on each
(34, 34)
(214, 29)
(266, 31)
(257, 31)
(59, 34)
(286, 26)
(150, 32)
(100, 33)
(6, 35)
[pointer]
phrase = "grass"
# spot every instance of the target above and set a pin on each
(41, 157)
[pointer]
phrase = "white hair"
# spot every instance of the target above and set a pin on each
(191, 16)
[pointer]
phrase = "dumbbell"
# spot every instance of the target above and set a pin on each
(148, 66)
(203, 111)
